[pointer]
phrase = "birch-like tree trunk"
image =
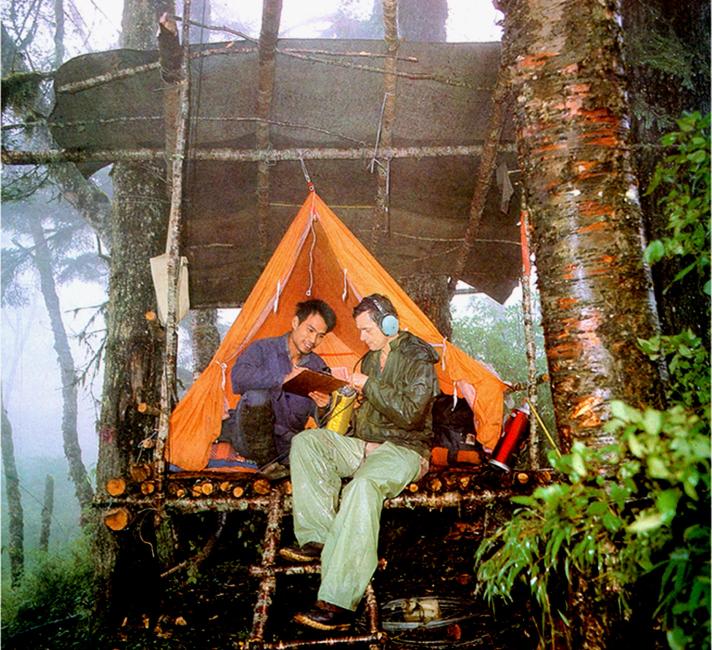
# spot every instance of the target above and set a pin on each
(70, 436)
(47, 512)
(572, 133)
(15, 544)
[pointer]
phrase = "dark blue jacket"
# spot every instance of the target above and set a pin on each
(263, 366)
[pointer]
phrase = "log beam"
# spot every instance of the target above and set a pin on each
(50, 156)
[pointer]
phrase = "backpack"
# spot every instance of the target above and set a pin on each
(454, 440)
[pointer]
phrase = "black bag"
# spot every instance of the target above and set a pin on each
(454, 440)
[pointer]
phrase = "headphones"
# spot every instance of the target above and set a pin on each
(384, 317)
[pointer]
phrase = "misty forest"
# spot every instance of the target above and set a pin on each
(527, 181)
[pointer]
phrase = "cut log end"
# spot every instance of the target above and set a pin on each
(148, 409)
(115, 487)
(261, 486)
(148, 487)
(117, 519)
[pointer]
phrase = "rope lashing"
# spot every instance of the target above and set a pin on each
(307, 178)
(311, 258)
(374, 160)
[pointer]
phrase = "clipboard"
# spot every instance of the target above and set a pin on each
(309, 380)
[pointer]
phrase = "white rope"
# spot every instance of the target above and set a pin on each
(311, 259)
(345, 292)
(276, 298)
(223, 371)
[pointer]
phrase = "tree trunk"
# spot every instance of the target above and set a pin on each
(423, 21)
(659, 94)
(430, 293)
(15, 543)
(571, 120)
(70, 437)
(205, 338)
(47, 511)
(134, 353)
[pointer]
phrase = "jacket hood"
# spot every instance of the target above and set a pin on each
(415, 347)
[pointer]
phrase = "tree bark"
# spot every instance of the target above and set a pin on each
(430, 293)
(571, 120)
(134, 352)
(15, 546)
(47, 511)
(70, 437)
(271, 16)
(58, 32)
(205, 338)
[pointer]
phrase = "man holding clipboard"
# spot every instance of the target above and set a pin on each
(267, 416)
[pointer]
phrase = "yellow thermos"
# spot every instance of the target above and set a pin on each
(342, 405)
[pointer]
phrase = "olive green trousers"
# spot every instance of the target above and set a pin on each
(348, 527)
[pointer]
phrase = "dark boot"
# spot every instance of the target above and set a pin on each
(255, 432)
(327, 617)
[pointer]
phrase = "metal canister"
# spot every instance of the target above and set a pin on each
(342, 406)
(516, 429)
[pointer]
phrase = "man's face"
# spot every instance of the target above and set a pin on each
(370, 333)
(305, 336)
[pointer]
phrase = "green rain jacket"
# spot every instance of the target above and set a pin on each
(399, 399)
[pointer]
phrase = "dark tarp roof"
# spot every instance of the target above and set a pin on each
(319, 104)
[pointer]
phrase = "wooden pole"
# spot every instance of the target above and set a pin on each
(168, 378)
(50, 156)
(385, 128)
(485, 171)
(275, 512)
(271, 15)
(231, 50)
(528, 314)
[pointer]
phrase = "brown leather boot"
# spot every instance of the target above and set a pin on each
(327, 617)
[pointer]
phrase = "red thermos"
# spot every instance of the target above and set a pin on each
(516, 429)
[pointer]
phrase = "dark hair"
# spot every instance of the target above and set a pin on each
(316, 306)
(377, 305)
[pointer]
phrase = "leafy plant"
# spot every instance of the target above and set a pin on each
(634, 514)
(54, 601)
(635, 508)
(684, 174)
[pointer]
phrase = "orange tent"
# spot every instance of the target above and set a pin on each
(319, 257)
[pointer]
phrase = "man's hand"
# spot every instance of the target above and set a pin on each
(321, 399)
(358, 379)
(341, 372)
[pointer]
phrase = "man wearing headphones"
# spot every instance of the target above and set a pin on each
(387, 448)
